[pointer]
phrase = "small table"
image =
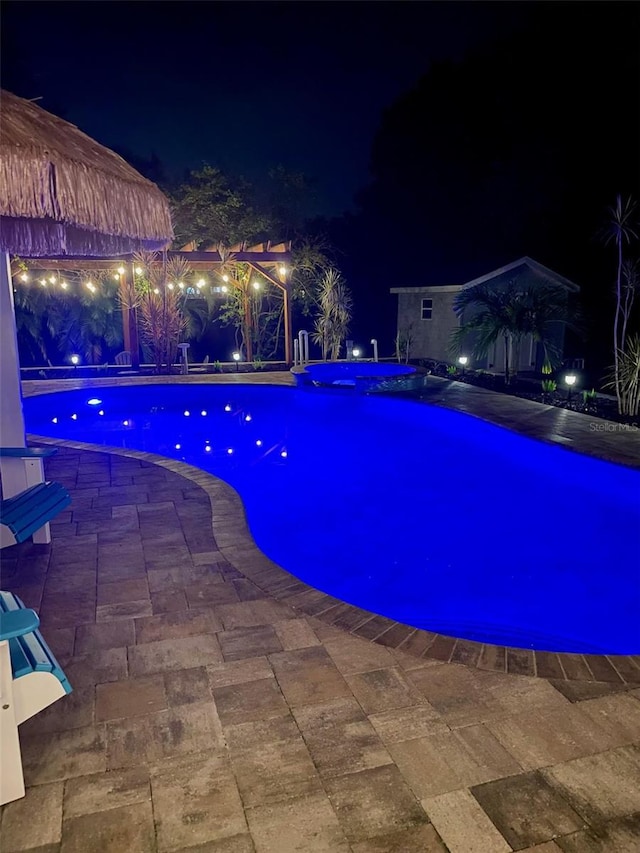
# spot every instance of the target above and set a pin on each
(184, 364)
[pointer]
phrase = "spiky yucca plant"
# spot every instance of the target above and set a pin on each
(625, 377)
(161, 320)
(335, 305)
(622, 230)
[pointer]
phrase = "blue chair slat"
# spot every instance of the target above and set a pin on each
(36, 651)
(19, 661)
(11, 506)
(29, 652)
(43, 513)
(9, 602)
(28, 511)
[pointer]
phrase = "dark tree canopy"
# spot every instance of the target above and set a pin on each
(211, 208)
(516, 150)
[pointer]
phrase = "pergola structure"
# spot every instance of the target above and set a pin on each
(271, 260)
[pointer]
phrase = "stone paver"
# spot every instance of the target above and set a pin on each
(463, 825)
(527, 810)
(211, 713)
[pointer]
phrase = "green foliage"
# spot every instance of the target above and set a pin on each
(452, 370)
(511, 313)
(258, 363)
(86, 323)
(549, 386)
(587, 396)
(217, 366)
(210, 208)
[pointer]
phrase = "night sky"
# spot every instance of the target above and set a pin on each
(456, 136)
(243, 86)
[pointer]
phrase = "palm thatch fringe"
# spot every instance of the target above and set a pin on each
(42, 238)
(51, 170)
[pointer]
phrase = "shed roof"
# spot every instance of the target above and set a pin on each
(522, 265)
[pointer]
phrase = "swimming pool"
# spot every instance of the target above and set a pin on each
(428, 516)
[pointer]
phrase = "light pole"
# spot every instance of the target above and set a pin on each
(375, 348)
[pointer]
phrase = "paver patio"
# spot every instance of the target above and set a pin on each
(211, 712)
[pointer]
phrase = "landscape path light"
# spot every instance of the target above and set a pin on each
(570, 380)
(374, 343)
(236, 358)
(463, 360)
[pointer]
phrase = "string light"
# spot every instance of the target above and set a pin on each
(121, 270)
(24, 277)
(52, 279)
(225, 277)
(139, 270)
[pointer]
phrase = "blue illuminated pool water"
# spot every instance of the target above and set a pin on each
(427, 516)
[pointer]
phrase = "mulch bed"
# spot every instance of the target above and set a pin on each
(530, 389)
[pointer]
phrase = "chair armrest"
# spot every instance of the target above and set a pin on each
(16, 623)
(27, 452)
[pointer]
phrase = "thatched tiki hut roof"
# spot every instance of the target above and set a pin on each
(63, 193)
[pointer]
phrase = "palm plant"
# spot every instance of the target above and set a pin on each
(494, 317)
(161, 320)
(31, 304)
(335, 306)
(87, 324)
(621, 231)
(626, 378)
(630, 289)
(512, 314)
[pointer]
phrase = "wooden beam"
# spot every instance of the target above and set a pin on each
(196, 260)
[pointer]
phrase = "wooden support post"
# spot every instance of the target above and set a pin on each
(129, 316)
(288, 325)
(248, 325)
